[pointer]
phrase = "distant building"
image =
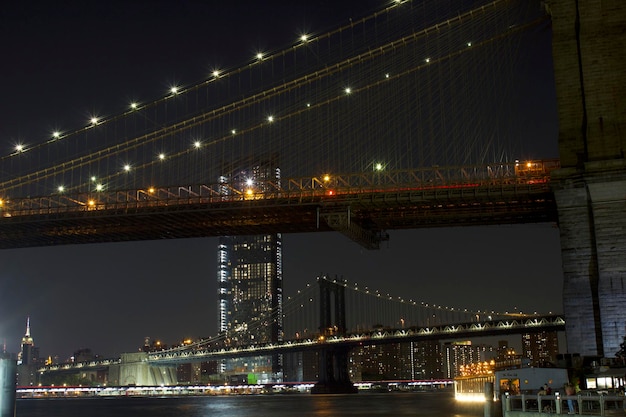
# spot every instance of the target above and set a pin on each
(376, 362)
(301, 366)
(84, 355)
(28, 359)
(427, 360)
(393, 361)
(507, 358)
(189, 373)
(249, 275)
(541, 348)
(461, 354)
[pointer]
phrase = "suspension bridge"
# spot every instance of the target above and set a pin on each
(333, 317)
(405, 118)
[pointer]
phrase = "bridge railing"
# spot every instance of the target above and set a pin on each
(298, 190)
(584, 404)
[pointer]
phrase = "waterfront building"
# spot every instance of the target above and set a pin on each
(249, 275)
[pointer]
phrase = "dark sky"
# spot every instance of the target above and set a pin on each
(64, 60)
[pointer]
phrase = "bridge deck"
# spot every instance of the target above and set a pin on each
(304, 211)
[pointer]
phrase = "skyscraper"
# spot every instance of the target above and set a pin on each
(27, 359)
(540, 347)
(28, 354)
(249, 278)
(462, 353)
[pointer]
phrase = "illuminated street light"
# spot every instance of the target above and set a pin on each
(378, 166)
(259, 55)
(19, 147)
(216, 73)
(133, 105)
(126, 167)
(56, 134)
(99, 187)
(161, 156)
(61, 188)
(93, 120)
(270, 119)
(197, 144)
(348, 90)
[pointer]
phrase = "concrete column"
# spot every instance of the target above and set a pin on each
(8, 379)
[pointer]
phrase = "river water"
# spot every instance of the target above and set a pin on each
(432, 404)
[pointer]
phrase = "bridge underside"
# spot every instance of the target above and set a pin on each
(363, 217)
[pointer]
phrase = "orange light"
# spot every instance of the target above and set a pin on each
(91, 202)
(326, 178)
(151, 190)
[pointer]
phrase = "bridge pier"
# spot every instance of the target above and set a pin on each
(334, 377)
(592, 221)
(589, 49)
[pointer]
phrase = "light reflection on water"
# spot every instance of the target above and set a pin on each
(431, 404)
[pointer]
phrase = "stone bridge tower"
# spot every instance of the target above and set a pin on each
(589, 50)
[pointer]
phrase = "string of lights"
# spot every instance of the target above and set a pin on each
(312, 103)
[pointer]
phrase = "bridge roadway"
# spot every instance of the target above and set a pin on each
(362, 206)
(498, 327)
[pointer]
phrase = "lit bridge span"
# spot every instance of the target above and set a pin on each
(413, 113)
(361, 318)
(362, 206)
(373, 337)
(500, 327)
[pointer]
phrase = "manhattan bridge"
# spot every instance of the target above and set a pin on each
(410, 117)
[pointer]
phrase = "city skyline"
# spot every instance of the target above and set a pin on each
(109, 297)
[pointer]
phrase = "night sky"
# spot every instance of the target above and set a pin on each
(62, 61)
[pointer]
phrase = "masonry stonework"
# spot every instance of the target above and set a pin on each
(589, 50)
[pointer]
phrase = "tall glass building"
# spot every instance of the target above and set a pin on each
(250, 284)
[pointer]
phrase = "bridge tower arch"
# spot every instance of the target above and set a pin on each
(589, 51)
(334, 377)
